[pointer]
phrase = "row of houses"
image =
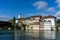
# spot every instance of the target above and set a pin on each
(38, 22)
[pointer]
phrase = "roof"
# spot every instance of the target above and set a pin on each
(42, 17)
(49, 16)
(5, 23)
(37, 16)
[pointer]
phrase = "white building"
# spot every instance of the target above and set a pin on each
(38, 22)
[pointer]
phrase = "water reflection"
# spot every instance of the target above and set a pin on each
(35, 35)
(50, 34)
(6, 35)
(29, 35)
(58, 35)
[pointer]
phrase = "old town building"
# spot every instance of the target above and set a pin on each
(38, 22)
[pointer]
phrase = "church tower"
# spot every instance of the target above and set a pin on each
(19, 16)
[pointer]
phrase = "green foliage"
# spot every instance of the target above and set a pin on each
(13, 22)
(58, 21)
(58, 24)
(5, 28)
(23, 25)
(18, 27)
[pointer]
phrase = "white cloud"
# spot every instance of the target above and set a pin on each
(58, 3)
(36, 14)
(57, 14)
(43, 14)
(51, 10)
(58, 17)
(4, 17)
(40, 5)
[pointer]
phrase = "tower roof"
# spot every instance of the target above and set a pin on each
(19, 16)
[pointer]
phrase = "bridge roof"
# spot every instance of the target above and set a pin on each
(5, 23)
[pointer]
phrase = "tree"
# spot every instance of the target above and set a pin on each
(58, 24)
(58, 21)
(23, 25)
(13, 23)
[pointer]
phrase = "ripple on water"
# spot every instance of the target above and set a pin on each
(29, 35)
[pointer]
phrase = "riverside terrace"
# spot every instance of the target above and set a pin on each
(5, 24)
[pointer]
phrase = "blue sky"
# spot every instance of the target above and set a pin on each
(11, 8)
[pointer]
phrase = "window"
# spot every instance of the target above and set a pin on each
(49, 20)
(45, 21)
(32, 18)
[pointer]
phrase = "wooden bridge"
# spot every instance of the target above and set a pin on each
(5, 24)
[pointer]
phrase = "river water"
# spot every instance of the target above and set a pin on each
(29, 35)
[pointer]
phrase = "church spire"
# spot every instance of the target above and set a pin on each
(19, 16)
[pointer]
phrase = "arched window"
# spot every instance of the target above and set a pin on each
(49, 20)
(45, 21)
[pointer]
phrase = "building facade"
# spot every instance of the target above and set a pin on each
(38, 22)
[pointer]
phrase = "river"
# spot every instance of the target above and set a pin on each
(29, 35)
